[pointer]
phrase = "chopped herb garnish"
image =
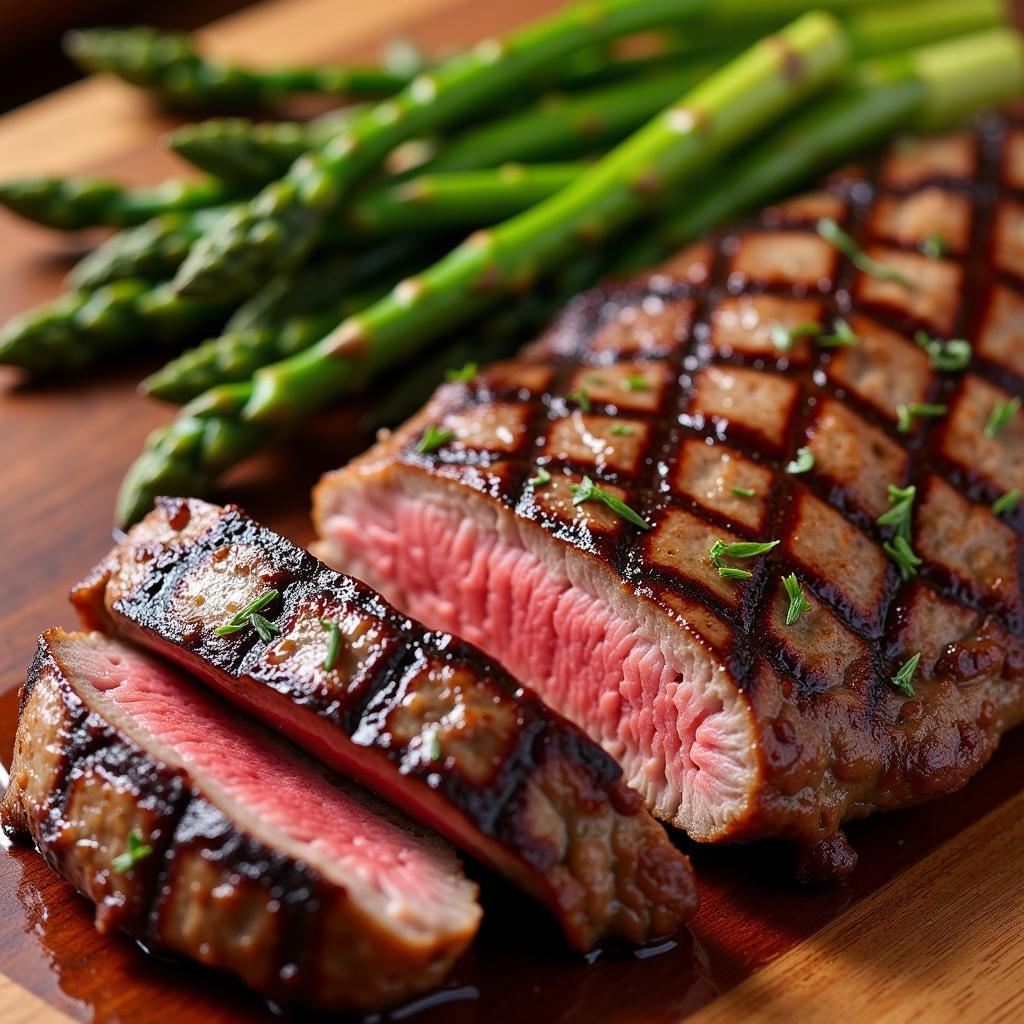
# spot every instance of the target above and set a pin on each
(433, 439)
(250, 617)
(906, 414)
(463, 375)
(596, 380)
(333, 644)
(842, 336)
(782, 337)
(589, 491)
(137, 850)
(1002, 413)
(904, 678)
(1007, 503)
(621, 430)
(934, 246)
(798, 604)
(803, 463)
(543, 477)
(636, 382)
(902, 512)
(900, 551)
(581, 398)
(836, 236)
(947, 356)
(743, 492)
(435, 746)
(738, 549)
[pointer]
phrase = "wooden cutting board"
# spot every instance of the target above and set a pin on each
(931, 926)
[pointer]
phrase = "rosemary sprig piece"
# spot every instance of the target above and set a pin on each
(433, 439)
(798, 603)
(904, 678)
(1002, 413)
(837, 237)
(906, 414)
(935, 246)
(463, 375)
(902, 512)
(589, 491)
(803, 463)
(900, 551)
(580, 398)
(542, 477)
(842, 336)
(1007, 504)
(250, 617)
(333, 644)
(137, 850)
(783, 338)
(743, 492)
(738, 549)
(946, 356)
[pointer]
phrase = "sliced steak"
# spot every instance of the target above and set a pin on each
(421, 718)
(697, 397)
(207, 836)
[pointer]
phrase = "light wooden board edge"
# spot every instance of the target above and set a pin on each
(105, 117)
(943, 941)
(19, 1006)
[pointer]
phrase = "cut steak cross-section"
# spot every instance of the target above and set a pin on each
(206, 836)
(420, 718)
(769, 385)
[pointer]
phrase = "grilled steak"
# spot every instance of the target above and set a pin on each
(421, 718)
(700, 398)
(210, 837)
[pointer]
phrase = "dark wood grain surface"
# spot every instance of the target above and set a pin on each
(64, 448)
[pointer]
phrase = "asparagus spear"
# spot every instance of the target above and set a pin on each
(279, 227)
(79, 202)
(169, 65)
(422, 205)
(78, 328)
(229, 422)
(252, 153)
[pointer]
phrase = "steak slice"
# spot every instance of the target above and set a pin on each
(421, 718)
(695, 396)
(252, 858)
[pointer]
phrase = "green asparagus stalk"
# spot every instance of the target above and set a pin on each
(169, 65)
(78, 328)
(280, 226)
(423, 205)
(74, 203)
(930, 88)
(253, 153)
(230, 422)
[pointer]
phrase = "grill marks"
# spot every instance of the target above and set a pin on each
(726, 408)
(113, 747)
(419, 717)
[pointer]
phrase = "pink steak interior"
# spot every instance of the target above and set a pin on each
(612, 663)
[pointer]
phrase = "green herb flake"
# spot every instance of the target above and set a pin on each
(803, 463)
(839, 239)
(621, 430)
(904, 678)
(906, 414)
(798, 603)
(250, 618)
(435, 745)
(902, 512)
(738, 549)
(1002, 413)
(743, 492)
(945, 356)
(842, 336)
(581, 398)
(588, 491)
(463, 375)
(636, 382)
(935, 246)
(1008, 503)
(900, 551)
(137, 850)
(543, 477)
(433, 439)
(333, 644)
